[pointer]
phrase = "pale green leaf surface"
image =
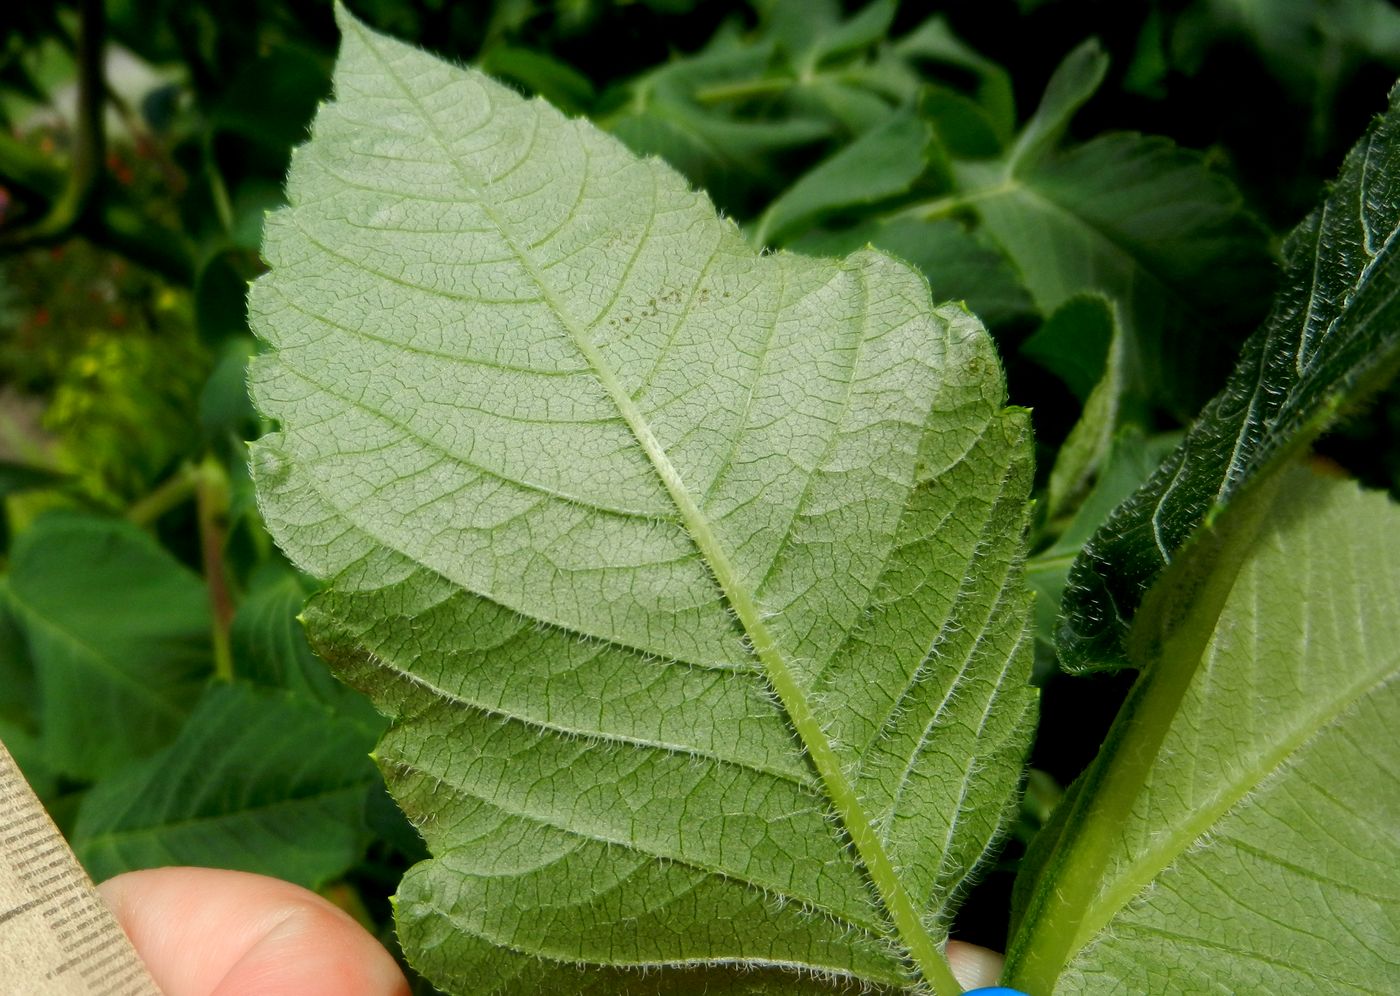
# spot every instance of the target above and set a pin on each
(258, 780)
(118, 634)
(1262, 854)
(679, 568)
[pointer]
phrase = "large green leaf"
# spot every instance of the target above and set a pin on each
(1333, 336)
(1260, 853)
(690, 576)
(118, 633)
(18, 701)
(270, 649)
(258, 780)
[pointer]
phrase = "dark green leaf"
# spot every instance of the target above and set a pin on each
(1131, 459)
(224, 408)
(867, 27)
(221, 298)
(18, 699)
(882, 163)
(1069, 89)
(935, 42)
(119, 636)
(1087, 324)
(957, 265)
(1149, 226)
(258, 780)
(560, 84)
(962, 124)
(1074, 342)
(272, 98)
(1333, 336)
(270, 648)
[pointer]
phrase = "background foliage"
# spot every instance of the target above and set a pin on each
(1105, 184)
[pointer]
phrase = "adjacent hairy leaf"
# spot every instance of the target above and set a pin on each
(1261, 853)
(1136, 219)
(690, 576)
(258, 780)
(118, 633)
(1131, 459)
(1332, 337)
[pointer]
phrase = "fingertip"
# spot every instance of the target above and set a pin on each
(209, 932)
(974, 966)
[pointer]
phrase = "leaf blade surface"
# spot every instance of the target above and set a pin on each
(1262, 845)
(601, 494)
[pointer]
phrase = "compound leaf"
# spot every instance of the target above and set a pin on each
(1137, 219)
(689, 576)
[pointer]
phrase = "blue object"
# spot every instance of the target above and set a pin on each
(994, 991)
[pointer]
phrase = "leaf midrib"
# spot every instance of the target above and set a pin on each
(897, 903)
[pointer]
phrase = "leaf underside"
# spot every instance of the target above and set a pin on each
(1262, 846)
(1332, 337)
(690, 577)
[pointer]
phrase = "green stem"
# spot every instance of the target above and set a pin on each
(1050, 931)
(218, 191)
(174, 491)
(942, 207)
(723, 92)
(212, 503)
